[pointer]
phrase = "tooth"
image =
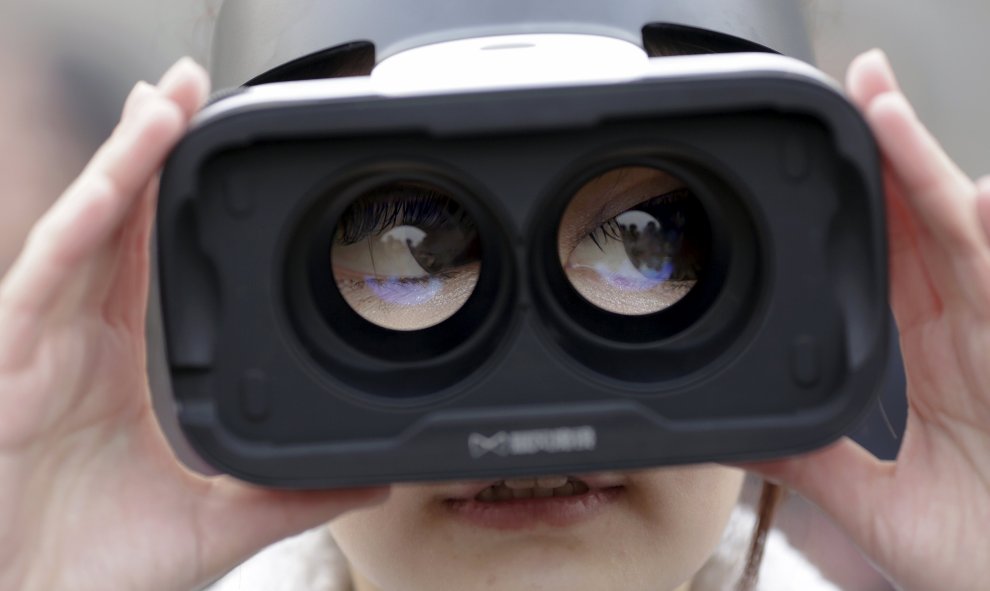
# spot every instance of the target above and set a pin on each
(520, 482)
(551, 481)
(522, 493)
(542, 493)
(487, 495)
(503, 493)
(564, 491)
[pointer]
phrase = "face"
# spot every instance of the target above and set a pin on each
(649, 530)
(632, 241)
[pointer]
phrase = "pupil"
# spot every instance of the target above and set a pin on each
(449, 245)
(405, 255)
(644, 259)
(661, 237)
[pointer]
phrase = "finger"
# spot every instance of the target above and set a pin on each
(19, 326)
(914, 298)
(238, 520)
(139, 96)
(941, 194)
(85, 216)
(187, 85)
(942, 199)
(942, 236)
(89, 212)
(126, 298)
(870, 75)
(93, 205)
(983, 205)
(844, 480)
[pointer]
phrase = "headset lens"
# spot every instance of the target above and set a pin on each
(406, 255)
(634, 240)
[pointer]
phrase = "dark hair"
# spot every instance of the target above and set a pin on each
(358, 59)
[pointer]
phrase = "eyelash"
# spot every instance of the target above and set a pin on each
(610, 230)
(425, 209)
(375, 214)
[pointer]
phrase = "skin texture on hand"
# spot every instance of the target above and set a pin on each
(923, 518)
(91, 496)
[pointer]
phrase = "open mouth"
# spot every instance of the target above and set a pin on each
(533, 488)
(537, 487)
(522, 503)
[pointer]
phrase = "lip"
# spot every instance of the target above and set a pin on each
(519, 514)
(465, 491)
(605, 489)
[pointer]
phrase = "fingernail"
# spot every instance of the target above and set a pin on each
(880, 56)
(876, 53)
(174, 74)
(139, 96)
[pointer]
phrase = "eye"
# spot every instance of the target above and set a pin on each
(405, 256)
(646, 258)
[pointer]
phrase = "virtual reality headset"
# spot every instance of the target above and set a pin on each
(520, 254)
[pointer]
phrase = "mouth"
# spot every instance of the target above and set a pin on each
(507, 489)
(519, 503)
(544, 487)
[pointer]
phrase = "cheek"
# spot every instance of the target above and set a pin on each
(386, 543)
(366, 530)
(688, 508)
(661, 534)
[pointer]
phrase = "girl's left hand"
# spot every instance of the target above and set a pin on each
(924, 519)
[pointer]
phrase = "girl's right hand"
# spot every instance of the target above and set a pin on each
(91, 496)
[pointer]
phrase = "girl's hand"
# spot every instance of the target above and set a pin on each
(924, 520)
(91, 496)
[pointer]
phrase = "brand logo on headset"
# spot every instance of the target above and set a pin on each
(522, 443)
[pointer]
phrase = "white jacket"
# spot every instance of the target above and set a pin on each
(311, 561)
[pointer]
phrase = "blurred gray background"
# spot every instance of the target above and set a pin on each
(66, 66)
(939, 49)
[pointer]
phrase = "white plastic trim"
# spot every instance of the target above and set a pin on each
(514, 62)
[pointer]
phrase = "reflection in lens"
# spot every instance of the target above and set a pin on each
(405, 256)
(634, 240)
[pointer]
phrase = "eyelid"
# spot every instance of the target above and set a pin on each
(605, 197)
(403, 205)
(601, 227)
